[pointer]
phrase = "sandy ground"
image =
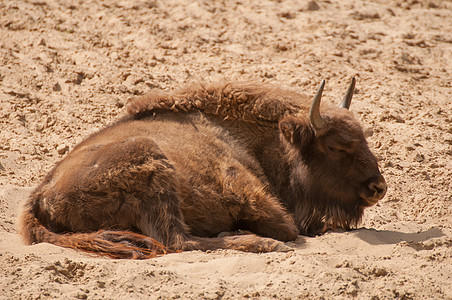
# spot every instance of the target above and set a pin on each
(67, 69)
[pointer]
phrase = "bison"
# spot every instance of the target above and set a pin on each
(182, 167)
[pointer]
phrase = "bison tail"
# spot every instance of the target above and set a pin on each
(113, 244)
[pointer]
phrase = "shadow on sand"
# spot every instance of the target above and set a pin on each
(381, 237)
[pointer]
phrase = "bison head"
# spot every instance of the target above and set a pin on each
(334, 175)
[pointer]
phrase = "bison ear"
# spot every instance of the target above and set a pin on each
(297, 132)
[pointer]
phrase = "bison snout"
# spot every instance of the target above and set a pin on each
(376, 190)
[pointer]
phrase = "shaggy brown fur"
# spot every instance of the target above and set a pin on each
(246, 101)
(185, 166)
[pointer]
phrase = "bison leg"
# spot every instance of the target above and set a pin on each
(127, 184)
(266, 217)
(260, 212)
(247, 243)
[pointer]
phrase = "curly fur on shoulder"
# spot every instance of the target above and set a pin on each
(253, 102)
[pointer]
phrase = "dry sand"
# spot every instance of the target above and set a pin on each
(67, 69)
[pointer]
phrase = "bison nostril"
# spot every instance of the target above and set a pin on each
(378, 187)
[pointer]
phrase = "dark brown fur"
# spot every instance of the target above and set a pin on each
(183, 167)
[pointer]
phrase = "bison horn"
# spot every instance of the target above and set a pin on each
(314, 113)
(349, 95)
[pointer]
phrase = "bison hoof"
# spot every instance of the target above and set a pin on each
(283, 248)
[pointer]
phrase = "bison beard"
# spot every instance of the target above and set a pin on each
(183, 167)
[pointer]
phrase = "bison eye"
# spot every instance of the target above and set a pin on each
(336, 150)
